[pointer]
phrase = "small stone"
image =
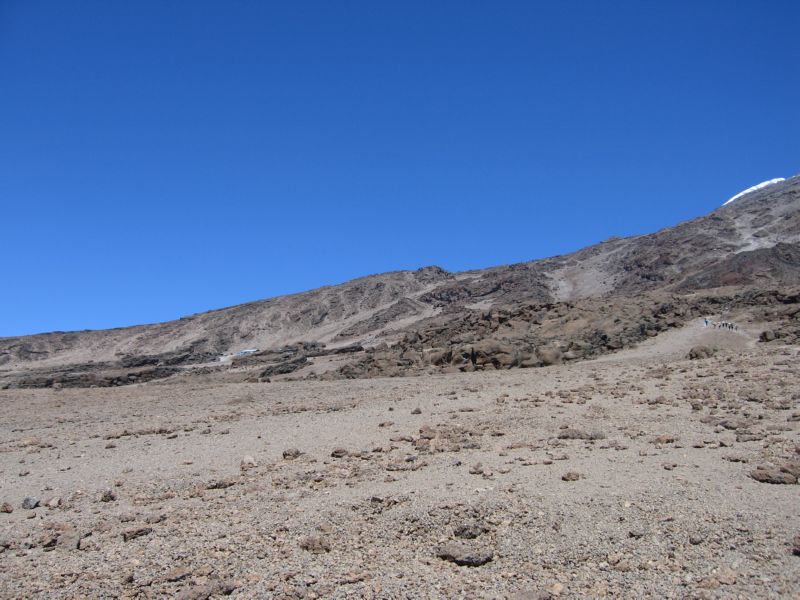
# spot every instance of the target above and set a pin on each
(6, 508)
(339, 453)
(464, 555)
(426, 432)
(726, 576)
(571, 476)
(176, 574)
(531, 594)
(220, 484)
(416, 411)
(708, 583)
(624, 566)
(469, 531)
(69, 540)
(291, 453)
(696, 539)
(132, 534)
(476, 469)
(636, 534)
(154, 518)
(29, 503)
(315, 544)
(108, 496)
(205, 591)
(247, 462)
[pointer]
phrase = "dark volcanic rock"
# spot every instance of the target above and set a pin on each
(29, 503)
(464, 555)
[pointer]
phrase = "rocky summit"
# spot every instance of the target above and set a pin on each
(619, 422)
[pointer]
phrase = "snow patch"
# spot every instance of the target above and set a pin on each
(763, 184)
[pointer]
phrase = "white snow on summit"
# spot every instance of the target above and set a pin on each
(763, 184)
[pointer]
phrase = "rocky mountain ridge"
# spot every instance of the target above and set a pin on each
(748, 249)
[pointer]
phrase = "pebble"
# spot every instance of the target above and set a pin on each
(207, 590)
(29, 503)
(315, 544)
(108, 496)
(247, 462)
(469, 531)
(132, 534)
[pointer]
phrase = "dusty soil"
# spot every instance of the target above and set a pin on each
(640, 475)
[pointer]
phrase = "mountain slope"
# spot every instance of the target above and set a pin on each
(753, 242)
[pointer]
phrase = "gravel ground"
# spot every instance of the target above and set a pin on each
(639, 476)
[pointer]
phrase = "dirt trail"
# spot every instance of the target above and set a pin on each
(676, 343)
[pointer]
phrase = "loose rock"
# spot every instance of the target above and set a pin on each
(464, 555)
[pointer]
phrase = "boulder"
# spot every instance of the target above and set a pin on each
(549, 355)
(499, 354)
(700, 352)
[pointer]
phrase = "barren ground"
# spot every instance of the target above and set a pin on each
(626, 477)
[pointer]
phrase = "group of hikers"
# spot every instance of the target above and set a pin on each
(721, 325)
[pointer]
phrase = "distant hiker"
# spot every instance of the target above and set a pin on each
(705, 322)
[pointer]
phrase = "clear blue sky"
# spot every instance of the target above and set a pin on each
(164, 158)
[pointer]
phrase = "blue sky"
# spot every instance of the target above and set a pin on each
(163, 158)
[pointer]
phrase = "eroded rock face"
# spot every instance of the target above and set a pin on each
(533, 335)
